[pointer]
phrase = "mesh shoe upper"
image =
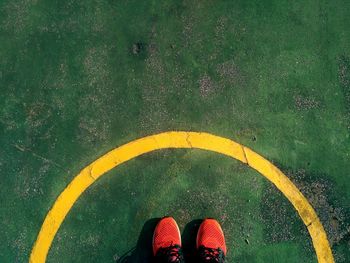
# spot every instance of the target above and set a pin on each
(211, 241)
(167, 241)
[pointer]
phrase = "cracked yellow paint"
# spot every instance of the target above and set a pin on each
(173, 139)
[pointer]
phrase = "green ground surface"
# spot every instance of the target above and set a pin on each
(78, 78)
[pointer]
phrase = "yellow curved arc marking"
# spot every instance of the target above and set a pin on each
(174, 139)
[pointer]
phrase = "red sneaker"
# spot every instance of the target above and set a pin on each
(167, 241)
(211, 244)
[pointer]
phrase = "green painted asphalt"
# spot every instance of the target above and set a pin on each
(80, 78)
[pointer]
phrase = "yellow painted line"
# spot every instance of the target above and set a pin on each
(173, 139)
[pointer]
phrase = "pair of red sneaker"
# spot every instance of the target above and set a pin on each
(211, 246)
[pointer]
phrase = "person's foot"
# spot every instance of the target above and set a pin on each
(211, 244)
(167, 241)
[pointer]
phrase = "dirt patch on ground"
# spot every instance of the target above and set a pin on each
(188, 29)
(38, 122)
(31, 186)
(96, 103)
(344, 80)
(230, 73)
(92, 131)
(206, 86)
(37, 114)
(280, 220)
(96, 66)
(283, 223)
(334, 218)
(319, 193)
(155, 87)
(9, 111)
(305, 103)
(153, 92)
(17, 15)
(221, 28)
(19, 244)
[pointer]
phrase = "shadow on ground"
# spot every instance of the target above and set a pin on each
(189, 240)
(143, 250)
